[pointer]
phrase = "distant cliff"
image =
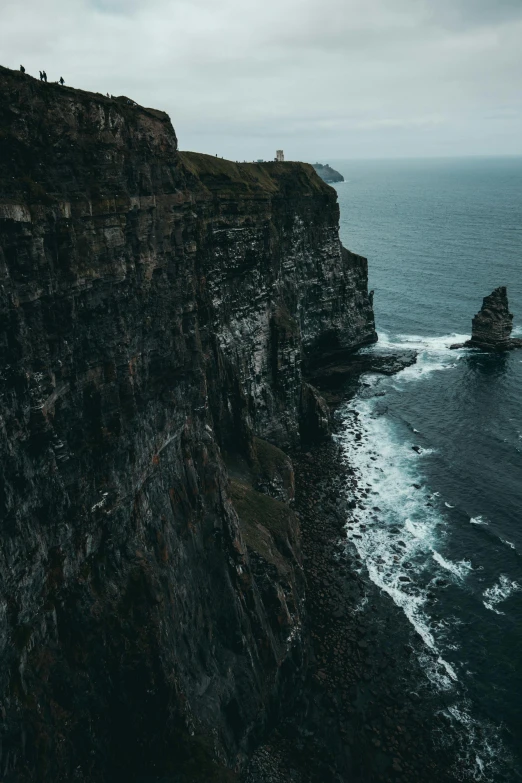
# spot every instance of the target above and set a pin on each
(160, 312)
(327, 173)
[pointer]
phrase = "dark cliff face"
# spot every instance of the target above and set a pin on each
(159, 312)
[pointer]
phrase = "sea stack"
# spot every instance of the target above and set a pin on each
(492, 326)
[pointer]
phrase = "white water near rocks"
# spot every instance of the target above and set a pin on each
(440, 235)
(502, 590)
(400, 530)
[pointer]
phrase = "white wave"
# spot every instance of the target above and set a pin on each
(433, 353)
(459, 570)
(362, 603)
(499, 592)
(435, 670)
(399, 533)
(415, 342)
(411, 605)
(422, 369)
(508, 543)
(425, 452)
(478, 521)
(479, 757)
(448, 505)
(417, 529)
(448, 667)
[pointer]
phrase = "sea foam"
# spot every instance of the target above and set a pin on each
(401, 527)
(503, 589)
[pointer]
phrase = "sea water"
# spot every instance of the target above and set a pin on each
(441, 529)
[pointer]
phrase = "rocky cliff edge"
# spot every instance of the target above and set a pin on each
(159, 314)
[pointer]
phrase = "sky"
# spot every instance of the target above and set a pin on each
(321, 79)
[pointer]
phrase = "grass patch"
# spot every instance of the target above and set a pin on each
(272, 461)
(263, 522)
(256, 178)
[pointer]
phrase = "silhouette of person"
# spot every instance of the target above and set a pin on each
(62, 81)
(44, 76)
(22, 69)
(41, 76)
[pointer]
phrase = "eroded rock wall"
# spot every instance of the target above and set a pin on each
(492, 325)
(158, 312)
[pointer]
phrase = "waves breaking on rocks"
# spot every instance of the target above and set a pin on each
(400, 529)
(502, 590)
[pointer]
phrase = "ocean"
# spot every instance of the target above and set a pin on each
(440, 530)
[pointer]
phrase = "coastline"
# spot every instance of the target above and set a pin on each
(367, 711)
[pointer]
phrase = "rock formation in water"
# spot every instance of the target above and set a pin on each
(160, 314)
(327, 173)
(492, 326)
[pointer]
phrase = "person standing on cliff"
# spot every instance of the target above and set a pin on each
(44, 76)
(41, 76)
(22, 69)
(62, 80)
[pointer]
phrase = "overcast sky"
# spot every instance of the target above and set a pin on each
(322, 79)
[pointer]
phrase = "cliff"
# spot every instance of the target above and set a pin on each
(160, 314)
(327, 173)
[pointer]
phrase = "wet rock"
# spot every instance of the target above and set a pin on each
(492, 326)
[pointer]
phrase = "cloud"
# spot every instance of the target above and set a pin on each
(474, 13)
(333, 77)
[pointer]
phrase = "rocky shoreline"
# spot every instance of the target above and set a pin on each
(367, 712)
(340, 379)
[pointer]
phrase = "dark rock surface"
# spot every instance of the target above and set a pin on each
(367, 712)
(327, 173)
(339, 379)
(492, 326)
(159, 313)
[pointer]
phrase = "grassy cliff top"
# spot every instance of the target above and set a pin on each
(55, 138)
(15, 84)
(217, 173)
